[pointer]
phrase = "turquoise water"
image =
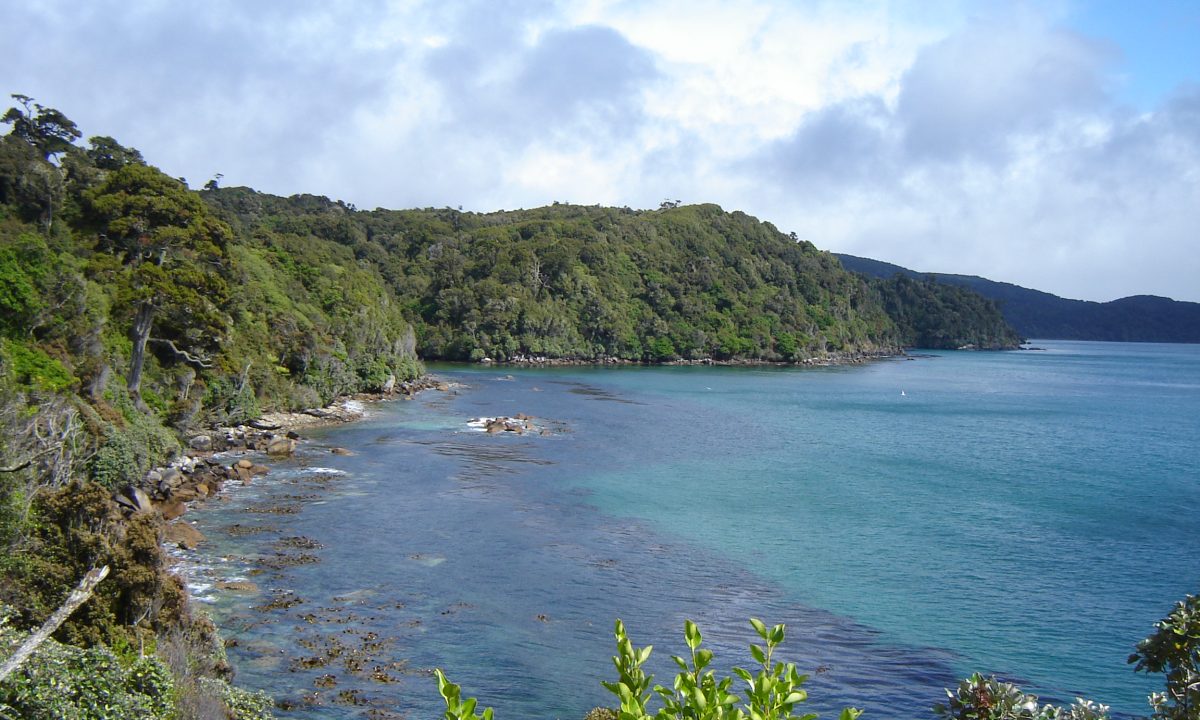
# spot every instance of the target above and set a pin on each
(1029, 514)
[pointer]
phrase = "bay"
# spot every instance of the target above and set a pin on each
(1029, 514)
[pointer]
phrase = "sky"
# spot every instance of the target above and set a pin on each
(1051, 144)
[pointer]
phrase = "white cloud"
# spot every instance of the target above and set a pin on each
(948, 136)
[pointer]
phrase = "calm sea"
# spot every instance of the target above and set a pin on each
(1028, 514)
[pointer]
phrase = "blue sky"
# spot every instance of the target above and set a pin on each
(1158, 41)
(1052, 144)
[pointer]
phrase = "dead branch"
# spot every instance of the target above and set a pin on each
(77, 597)
(202, 362)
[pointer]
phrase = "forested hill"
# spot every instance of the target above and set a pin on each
(1037, 314)
(590, 282)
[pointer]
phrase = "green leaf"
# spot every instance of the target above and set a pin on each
(757, 653)
(759, 627)
(777, 634)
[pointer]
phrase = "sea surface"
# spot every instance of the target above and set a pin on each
(1029, 514)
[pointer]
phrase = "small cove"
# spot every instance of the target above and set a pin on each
(904, 539)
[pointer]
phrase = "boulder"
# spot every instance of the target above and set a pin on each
(173, 509)
(171, 477)
(183, 535)
(237, 586)
(138, 499)
(390, 385)
(244, 463)
(341, 451)
(281, 446)
(201, 443)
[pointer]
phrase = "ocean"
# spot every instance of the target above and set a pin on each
(1028, 514)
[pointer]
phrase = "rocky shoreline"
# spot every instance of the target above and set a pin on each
(825, 360)
(206, 466)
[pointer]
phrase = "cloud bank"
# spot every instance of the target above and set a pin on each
(945, 136)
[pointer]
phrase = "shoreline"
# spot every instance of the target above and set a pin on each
(215, 457)
(827, 360)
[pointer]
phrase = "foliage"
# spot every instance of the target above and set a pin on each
(1174, 649)
(584, 282)
(771, 693)
(32, 368)
(130, 445)
(980, 698)
(1037, 314)
(930, 314)
(456, 707)
(166, 240)
(63, 681)
(241, 704)
(43, 127)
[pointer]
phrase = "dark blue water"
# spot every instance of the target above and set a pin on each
(1029, 514)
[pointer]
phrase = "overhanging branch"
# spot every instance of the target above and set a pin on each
(197, 360)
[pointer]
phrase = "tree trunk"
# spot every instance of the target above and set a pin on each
(142, 322)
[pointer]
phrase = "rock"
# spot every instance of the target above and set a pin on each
(202, 490)
(152, 477)
(184, 494)
(293, 435)
(171, 477)
(139, 498)
(173, 509)
(201, 443)
(183, 535)
(260, 424)
(341, 451)
(244, 463)
(243, 473)
(237, 586)
(442, 387)
(390, 385)
(259, 469)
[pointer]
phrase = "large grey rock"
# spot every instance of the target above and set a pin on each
(171, 477)
(201, 443)
(281, 446)
(141, 501)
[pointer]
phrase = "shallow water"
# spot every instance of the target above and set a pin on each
(1026, 513)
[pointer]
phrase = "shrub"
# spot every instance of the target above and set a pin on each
(771, 693)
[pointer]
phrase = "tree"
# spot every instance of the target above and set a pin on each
(108, 154)
(171, 249)
(1174, 649)
(45, 128)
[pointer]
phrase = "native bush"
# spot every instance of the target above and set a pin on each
(773, 690)
(1174, 649)
(63, 681)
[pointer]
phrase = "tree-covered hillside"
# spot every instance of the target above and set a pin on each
(589, 283)
(1037, 314)
(929, 314)
(131, 317)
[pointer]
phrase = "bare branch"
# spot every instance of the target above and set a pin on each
(77, 597)
(204, 362)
